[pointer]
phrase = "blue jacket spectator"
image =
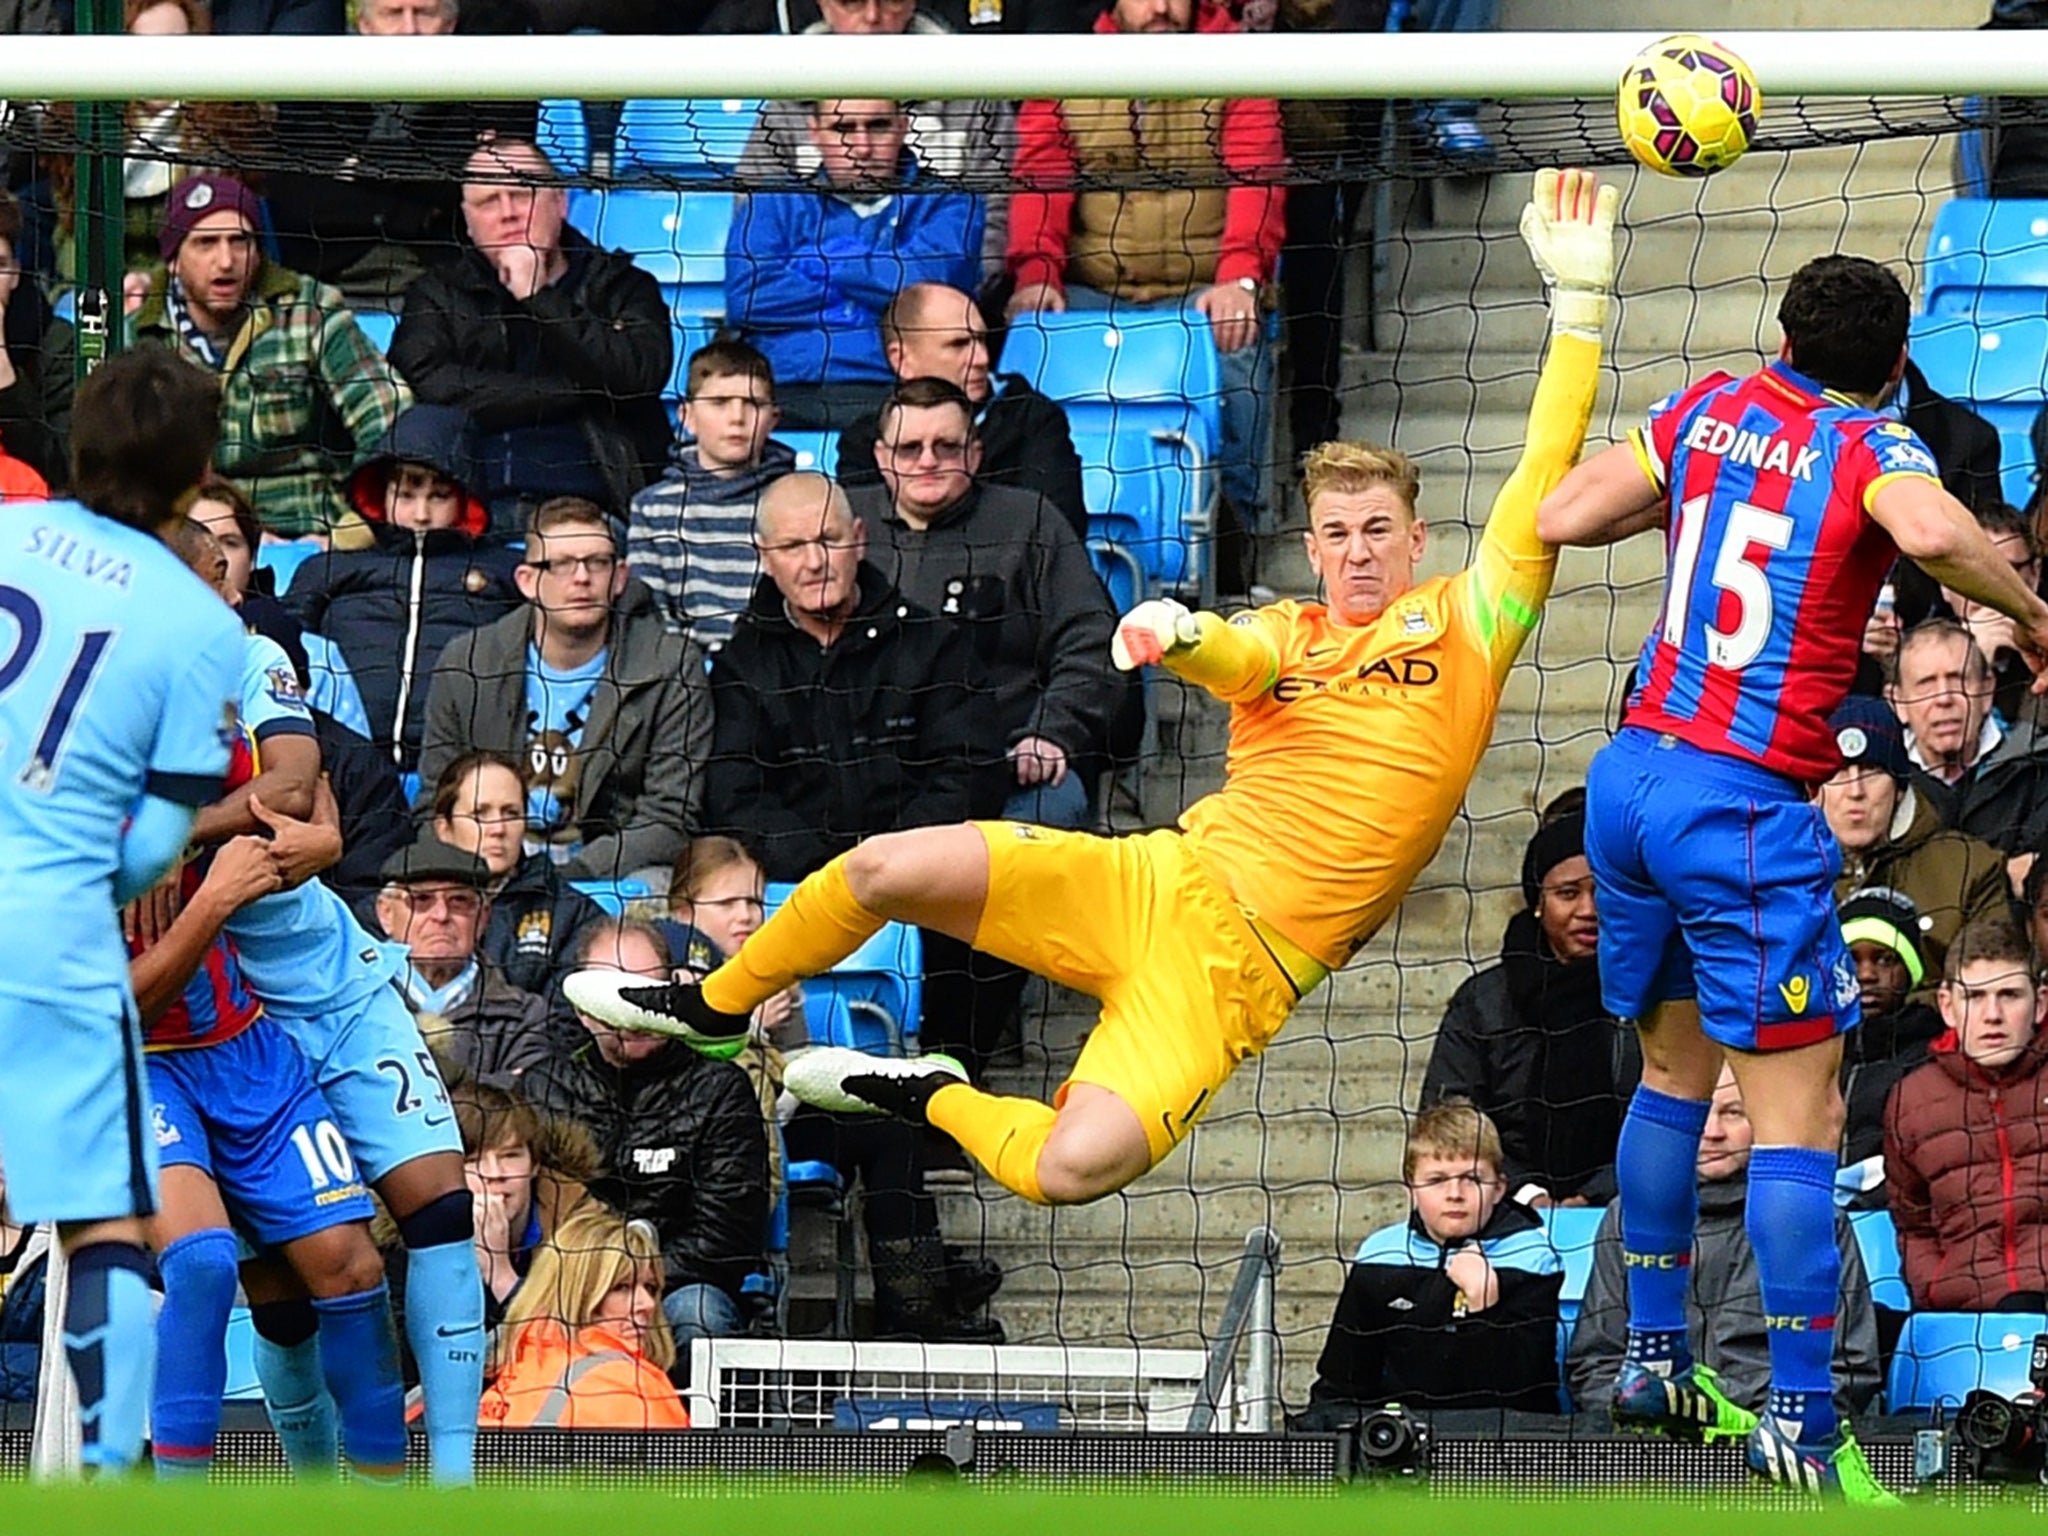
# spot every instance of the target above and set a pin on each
(428, 576)
(808, 274)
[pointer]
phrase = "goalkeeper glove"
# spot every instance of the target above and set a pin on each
(1151, 632)
(1568, 226)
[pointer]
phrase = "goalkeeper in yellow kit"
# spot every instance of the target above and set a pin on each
(1355, 727)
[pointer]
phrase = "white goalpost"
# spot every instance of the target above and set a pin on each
(1499, 66)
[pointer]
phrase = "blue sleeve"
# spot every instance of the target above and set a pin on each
(189, 757)
(271, 701)
(154, 838)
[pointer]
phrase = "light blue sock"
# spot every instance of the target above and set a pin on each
(110, 1341)
(295, 1394)
(444, 1324)
(191, 1358)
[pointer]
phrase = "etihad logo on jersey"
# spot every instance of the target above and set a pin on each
(1757, 450)
(1797, 992)
(1387, 672)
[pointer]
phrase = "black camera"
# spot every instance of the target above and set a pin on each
(1392, 1443)
(2005, 1439)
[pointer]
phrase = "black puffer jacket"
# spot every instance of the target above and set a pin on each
(1528, 1042)
(1875, 1055)
(1005, 566)
(392, 607)
(537, 924)
(1026, 444)
(816, 748)
(683, 1145)
(602, 338)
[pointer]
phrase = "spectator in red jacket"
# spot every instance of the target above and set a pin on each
(1183, 239)
(1966, 1143)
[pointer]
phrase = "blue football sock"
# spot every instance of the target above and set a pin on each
(301, 1412)
(191, 1356)
(1657, 1170)
(359, 1348)
(1791, 1221)
(110, 1342)
(444, 1324)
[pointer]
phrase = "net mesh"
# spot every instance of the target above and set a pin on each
(1411, 317)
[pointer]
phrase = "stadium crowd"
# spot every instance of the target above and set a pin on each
(553, 635)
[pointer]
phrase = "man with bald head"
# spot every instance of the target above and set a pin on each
(930, 331)
(842, 710)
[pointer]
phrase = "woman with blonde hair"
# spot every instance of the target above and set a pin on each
(584, 1344)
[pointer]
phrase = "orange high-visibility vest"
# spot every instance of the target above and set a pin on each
(591, 1379)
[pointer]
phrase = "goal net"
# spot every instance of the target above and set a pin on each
(1390, 300)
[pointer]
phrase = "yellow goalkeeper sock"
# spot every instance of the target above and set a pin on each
(821, 924)
(1004, 1135)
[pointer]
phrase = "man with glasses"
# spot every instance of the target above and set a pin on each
(608, 710)
(843, 708)
(808, 272)
(434, 902)
(1981, 776)
(1006, 565)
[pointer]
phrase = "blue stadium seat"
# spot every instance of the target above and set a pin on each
(563, 134)
(678, 238)
(1140, 388)
(700, 138)
(816, 452)
(1944, 1355)
(881, 984)
(283, 559)
(1988, 258)
(378, 326)
(613, 895)
(1997, 367)
(1571, 1230)
(1878, 1241)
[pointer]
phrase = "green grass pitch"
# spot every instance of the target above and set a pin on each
(596, 1509)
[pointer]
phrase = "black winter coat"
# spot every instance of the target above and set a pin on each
(375, 820)
(1005, 566)
(816, 748)
(1026, 445)
(393, 606)
(1402, 1333)
(604, 339)
(537, 924)
(1875, 1055)
(683, 1144)
(1527, 1041)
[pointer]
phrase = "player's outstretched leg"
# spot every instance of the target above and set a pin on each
(935, 877)
(1093, 1146)
(294, 1381)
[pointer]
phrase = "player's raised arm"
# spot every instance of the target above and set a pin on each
(1569, 227)
(1233, 661)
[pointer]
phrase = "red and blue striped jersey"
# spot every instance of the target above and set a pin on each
(216, 1004)
(1773, 563)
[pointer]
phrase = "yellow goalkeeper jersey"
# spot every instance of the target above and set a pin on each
(1351, 746)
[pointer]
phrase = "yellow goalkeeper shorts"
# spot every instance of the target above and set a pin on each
(1188, 987)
